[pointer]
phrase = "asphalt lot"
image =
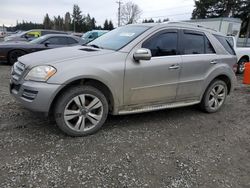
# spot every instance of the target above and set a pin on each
(171, 148)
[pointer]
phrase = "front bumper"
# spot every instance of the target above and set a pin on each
(35, 96)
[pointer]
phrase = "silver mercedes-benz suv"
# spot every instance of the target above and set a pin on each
(132, 69)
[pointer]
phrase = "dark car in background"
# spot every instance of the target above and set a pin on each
(31, 35)
(9, 52)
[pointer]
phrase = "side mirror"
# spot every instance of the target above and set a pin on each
(47, 43)
(142, 54)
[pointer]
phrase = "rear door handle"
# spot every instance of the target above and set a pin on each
(214, 62)
(174, 67)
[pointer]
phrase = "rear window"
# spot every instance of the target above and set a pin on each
(226, 44)
(193, 43)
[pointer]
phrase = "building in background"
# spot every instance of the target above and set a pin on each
(227, 26)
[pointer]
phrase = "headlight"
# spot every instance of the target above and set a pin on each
(41, 73)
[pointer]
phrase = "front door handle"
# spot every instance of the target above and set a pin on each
(174, 67)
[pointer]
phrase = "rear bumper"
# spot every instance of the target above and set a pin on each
(35, 96)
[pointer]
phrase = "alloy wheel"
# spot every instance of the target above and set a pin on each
(217, 96)
(83, 112)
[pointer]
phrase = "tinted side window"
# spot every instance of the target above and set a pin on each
(209, 48)
(57, 40)
(193, 43)
(71, 41)
(226, 44)
(164, 44)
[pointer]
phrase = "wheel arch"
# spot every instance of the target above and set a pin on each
(85, 81)
(244, 57)
(12, 50)
(223, 77)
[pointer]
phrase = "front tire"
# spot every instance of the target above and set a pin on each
(214, 96)
(14, 55)
(81, 110)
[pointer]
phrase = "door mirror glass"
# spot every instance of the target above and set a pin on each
(142, 54)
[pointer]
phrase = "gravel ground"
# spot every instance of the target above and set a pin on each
(171, 148)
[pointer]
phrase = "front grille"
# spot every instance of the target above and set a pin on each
(17, 71)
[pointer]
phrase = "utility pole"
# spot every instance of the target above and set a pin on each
(119, 12)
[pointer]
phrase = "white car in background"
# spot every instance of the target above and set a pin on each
(242, 53)
(3, 33)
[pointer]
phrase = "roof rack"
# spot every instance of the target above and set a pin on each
(195, 25)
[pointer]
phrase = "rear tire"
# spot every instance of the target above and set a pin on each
(81, 110)
(14, 55)
(214, 96)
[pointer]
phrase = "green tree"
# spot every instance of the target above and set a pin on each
(47, 22)
(110, 25)
(148, 21)
(67, 21)
(106, 25)
(77, 18)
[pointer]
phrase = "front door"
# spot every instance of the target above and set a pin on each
(154, 80)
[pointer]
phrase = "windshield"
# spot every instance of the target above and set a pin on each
(86, 35)
(118, 38)
(38, 40)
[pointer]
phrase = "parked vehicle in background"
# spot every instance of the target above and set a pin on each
(31, 34)
(3, 32)
(92, 35)
(242, 53)
(77, 34)
(132, 69)
(10, 51)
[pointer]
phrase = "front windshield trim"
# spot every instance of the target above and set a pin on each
(146, 29)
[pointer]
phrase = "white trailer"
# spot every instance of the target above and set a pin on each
(227, 26)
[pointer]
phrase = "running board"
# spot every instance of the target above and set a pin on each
(134, 110)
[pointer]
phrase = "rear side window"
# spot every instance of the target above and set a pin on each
(57, 41)
(164, 44)
(71, 40)
(209, 49)
(193, 43)
(225, 43)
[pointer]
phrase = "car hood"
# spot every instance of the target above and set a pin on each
(13, 44)
(60, 55)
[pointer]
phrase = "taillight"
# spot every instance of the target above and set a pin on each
(235, 67)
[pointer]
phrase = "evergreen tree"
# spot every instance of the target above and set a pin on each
(67, 21)
(46, 22)
(110, 25)
(106, 25)
(77, 18)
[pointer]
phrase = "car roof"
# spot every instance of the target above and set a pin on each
(184, 25)
(63, 35)
(49, 30)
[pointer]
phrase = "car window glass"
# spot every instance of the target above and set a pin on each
(226, 44)
(209, 48)
(71, 41)
(193, 43)
(57, 41)
(164, 44)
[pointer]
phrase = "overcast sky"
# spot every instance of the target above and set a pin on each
(34, 10)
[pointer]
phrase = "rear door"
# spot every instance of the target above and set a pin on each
(198, 55)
